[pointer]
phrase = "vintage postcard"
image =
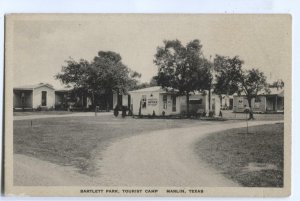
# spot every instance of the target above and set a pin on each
(148, 104)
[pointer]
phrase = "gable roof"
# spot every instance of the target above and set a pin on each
(273, 91)
(154, 89)
(34, 86)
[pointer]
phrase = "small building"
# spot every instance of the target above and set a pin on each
(226, 102)
(199, 103)
(160, 101)
(154, 100)
(121, 100)
(66, 99)
(41, 96)
(272, 102)
(62, 99)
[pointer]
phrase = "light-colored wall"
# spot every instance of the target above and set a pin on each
(115, 100)
(158, 108)
(169, 109)
(136, 97)
(37, 97)
(259, 106)
(225, 101)
(217, 108)
(239, 103)
(256, 106)
(204, 107)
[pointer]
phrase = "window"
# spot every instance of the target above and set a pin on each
(174, 103)
(257, 100)
(44, 98)
(165, 104)
(213, 104)
(144, 101)
(196, 101)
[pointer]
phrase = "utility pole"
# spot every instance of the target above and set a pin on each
(210, 85)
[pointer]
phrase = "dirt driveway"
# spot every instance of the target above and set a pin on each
(160, 158)
(164, 158)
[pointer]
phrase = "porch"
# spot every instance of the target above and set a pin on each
(22, 100)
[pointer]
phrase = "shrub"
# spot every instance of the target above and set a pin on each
(116, 111)
(123, 111)
(153, 114)
(39, 108)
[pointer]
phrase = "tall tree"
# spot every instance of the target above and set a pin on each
(277, 84)
(252, 83)
(105, 75)
(228, 74)
(182, 68)
(231, 78)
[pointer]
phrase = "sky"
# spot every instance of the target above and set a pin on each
(42, 43)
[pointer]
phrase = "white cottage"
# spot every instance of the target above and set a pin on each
(154, 100)
(272, 102)
(41, 95)
(162, 102)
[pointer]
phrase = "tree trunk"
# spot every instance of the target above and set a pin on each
(117, 100)
(93, 100)
(209, 100)
(251, 116)
(108, 102)
(188, 104)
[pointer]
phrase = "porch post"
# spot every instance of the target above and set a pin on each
(276, 104)
(265, 104)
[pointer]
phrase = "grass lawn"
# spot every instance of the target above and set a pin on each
(253, 160)
(228, 114)
(73, 140)
(41, 113)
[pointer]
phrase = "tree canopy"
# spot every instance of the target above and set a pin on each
(231, 78)
(182, 68)
(228, 74)
(104, 75)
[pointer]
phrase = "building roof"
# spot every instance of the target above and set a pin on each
(33, 86)
(272, 91)
(62, 90)
(152, 89)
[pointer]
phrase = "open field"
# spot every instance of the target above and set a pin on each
(72, 140)
(254, 159)
(229, 115)
(41, 113)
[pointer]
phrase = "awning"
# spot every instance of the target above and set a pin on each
(195, 98)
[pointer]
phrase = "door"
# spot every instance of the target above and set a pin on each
(23, 99)
(173, 103)
(231, 103)
(44, 98)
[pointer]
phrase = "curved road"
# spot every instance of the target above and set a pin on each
(164, 158)
(160, 158)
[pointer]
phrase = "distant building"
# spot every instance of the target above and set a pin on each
(41, 95)
(165, 102)
(272, 102)
(226, 102)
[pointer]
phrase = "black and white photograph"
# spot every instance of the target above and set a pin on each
(148, 104)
